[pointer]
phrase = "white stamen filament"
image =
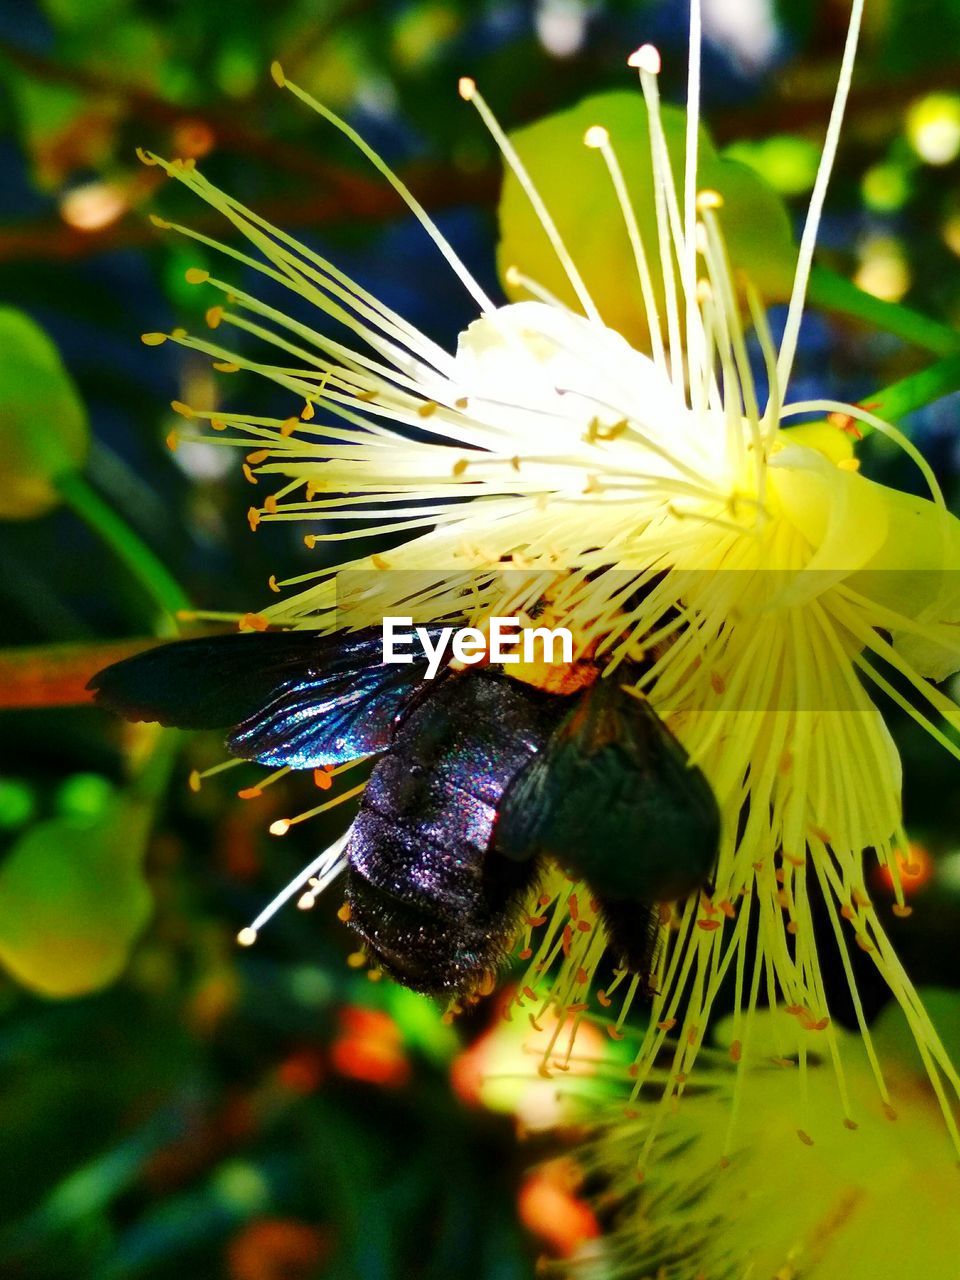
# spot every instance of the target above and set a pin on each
(808, 240)
(471, 94)
(412, 203)
(600, 140)
(517, 278)
(662, 184)
(325, 867)
(689, 265)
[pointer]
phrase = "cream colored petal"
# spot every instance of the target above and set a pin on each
(915, 572)
(842, 516)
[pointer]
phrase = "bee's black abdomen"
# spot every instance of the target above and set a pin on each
(428, 949)
(429, 898)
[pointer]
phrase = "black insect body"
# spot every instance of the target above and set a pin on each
(431, 899)
(480, 777)
(612, 799)
(613, 796)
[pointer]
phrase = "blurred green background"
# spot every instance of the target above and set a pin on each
(170, 1105)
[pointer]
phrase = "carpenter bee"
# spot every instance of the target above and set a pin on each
(480, 776)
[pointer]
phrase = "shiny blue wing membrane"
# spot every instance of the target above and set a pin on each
(328, 718)
(289, 697)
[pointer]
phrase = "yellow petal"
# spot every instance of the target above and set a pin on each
(916, 573)
(852, 1199)
(822, 436)
(842, 516)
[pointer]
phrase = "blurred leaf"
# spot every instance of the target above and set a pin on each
(917, 33)
(887, 187)
(422, 1022)
(63, 130)
(787, 162)
(86, 795)
(70, 16)
(17, 803)
(797, 16)
(73, 900)
(334, 70)
(575, 185)
(421, 32)
(894, 1040)
(43, 424)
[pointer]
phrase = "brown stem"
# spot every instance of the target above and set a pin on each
(435, 187)
(228, 125)
(790, 109)
(56, 675)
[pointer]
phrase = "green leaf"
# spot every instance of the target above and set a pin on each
(577, 190)
(912, 35)
(787, 162)
(73, 900)
(836, 293)
(914, 391)
(797, 16)
(896, 1042)
(43, 424)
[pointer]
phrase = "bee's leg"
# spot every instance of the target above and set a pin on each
(634, 932)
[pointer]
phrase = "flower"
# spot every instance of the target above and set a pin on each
(788, 1201)
(662, 508)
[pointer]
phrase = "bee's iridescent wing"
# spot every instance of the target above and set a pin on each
(332, 713)
(289, 697)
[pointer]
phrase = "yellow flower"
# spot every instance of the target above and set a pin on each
(662, 508)
(789, 1201)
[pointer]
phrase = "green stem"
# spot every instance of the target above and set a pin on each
(833, 292)
(149, 786)
(919, 389)
(148, 570)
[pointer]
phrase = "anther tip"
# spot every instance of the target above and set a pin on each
(466, 87)
(247, 937)
(280, 827)
(709, 199)
(596, 136)
(196, 275)
(276, 74)
(646, 58)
